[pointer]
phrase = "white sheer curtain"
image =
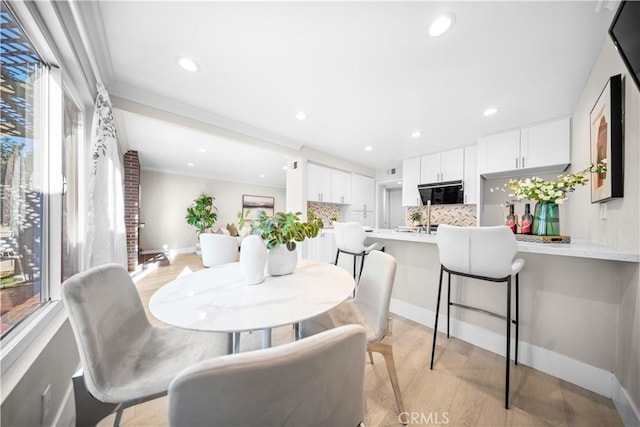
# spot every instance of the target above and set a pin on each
(106, 233)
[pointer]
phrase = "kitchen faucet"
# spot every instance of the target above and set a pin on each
(428, 216)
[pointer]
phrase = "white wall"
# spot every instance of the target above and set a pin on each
(164, 199)
(621, 229)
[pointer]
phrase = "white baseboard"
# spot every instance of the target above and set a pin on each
(188, 250)
(628, 412)
(594, 379)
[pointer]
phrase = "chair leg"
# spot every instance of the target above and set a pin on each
(448, 302)
(354, 267)
(361, 265)
(337, 255)
(386, 351)
(370, 357)
(435, 326)
(116, 422)
(508, 356)
(517, 322)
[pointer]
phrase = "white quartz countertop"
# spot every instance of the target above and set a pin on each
(577, 248)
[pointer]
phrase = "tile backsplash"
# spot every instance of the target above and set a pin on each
(325, 211)
(464, 215)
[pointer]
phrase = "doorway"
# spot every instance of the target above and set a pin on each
(394, 207)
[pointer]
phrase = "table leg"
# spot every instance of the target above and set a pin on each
(266, 338)
(236, 342)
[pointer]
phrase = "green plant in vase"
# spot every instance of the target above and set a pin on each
(285, 228)
(280, 233)
(242, 217)
(416, 217)
(202, 213)
(548, 194)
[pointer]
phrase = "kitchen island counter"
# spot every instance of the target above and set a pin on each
(577, 248)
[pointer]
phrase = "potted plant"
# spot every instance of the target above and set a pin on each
(242, 217)
(280, 233)
(202, 214)
(416, 217)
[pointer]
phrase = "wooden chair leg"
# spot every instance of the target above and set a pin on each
(370, 357)
(386, 351)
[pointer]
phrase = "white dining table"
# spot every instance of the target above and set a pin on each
(218, 300)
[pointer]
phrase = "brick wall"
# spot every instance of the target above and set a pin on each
(131, 206)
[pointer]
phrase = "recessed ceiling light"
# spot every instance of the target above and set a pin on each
(284, 168)
(399, 182)
(490, 111)
(261, 175)
(368, 148)
(301, 115)
(202, 150)
(188, 64)
(416, 134)
(442, 24)
(190, 164)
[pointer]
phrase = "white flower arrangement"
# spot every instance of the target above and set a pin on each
(539, 190)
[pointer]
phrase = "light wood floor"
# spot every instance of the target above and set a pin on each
(466, 387)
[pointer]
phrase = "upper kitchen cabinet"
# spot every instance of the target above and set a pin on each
(410, 181)
(340, 187)
(546, 144)
(318, 183)
(328, 185)
(444, 166)
(363, 193)
(539, 148)
(471, 175)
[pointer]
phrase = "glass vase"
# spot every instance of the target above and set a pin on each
(546, 219)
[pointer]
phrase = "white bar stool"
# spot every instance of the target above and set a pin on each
(485, 253)
(350, 239)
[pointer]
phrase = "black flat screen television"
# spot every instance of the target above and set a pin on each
(625, 33)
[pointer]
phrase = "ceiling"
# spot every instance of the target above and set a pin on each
(366, 74)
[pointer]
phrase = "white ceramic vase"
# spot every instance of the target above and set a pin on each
(253, 257)
(281, 261)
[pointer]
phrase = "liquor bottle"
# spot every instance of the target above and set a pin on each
(512, 220)
(526, 220)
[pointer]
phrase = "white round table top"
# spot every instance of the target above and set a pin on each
(217, 299)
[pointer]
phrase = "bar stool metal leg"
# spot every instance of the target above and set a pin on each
(435, 326)
(508, 356)
(517, 322)
(448, 302)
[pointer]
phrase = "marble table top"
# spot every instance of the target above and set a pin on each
(217, 299)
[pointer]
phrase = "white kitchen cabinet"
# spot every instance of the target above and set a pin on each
(365, 218)
(545, 144)
(322, 247)
(363, 192)
(328, 185)
(341, 187)
(410, 181)
(499, 152)
(430, 168)
(444, 166)
(318, 183)
(471, 175)
(543, 147)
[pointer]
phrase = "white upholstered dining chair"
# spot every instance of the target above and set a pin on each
(125, 359)
(351, 240)
(316, 381)
(370, 309)
(218, 249)
(485, 253)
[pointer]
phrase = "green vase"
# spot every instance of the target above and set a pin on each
(546, 219)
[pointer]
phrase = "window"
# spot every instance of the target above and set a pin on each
(31, 124)
(70, 192)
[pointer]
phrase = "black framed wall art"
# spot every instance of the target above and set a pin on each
(607, 142)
